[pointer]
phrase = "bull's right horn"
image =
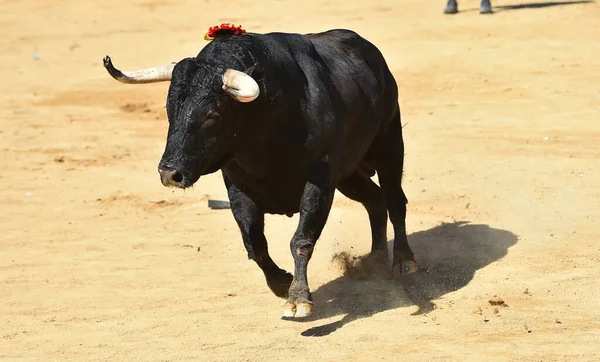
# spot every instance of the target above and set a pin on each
(240, 86)
(159, 73)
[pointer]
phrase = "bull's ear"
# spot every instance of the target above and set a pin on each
(250, 69)
(256, 72)
(253, 71)
(241, 86)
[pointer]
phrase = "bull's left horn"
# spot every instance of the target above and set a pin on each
(240, 86)
(159, 73)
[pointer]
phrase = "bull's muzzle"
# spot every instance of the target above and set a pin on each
(170, 177)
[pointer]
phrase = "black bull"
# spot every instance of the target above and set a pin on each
(288, 118)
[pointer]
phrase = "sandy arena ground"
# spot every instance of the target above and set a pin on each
(98, 261)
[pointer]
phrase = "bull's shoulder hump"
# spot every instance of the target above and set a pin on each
(334, 33)
(342, 42)
(341, 37)
(291, 41)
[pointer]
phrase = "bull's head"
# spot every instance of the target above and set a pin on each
(199, 109)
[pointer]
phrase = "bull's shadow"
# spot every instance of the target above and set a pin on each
(448, 256)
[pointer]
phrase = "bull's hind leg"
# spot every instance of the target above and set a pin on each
(389, 169)
(251, 223)
(361, 188)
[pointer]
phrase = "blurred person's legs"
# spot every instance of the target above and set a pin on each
(452, 7)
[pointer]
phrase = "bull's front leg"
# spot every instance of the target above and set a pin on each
(251, 221)
(315, 205)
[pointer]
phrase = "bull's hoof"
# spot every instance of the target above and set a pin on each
(403, 268)
(300, 308)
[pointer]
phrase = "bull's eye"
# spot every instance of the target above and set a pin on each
(210, 123)
(204, 122)
(211, 120)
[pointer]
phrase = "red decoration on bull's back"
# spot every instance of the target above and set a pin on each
(223, 29)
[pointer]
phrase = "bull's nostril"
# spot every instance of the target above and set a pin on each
(177, 177)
